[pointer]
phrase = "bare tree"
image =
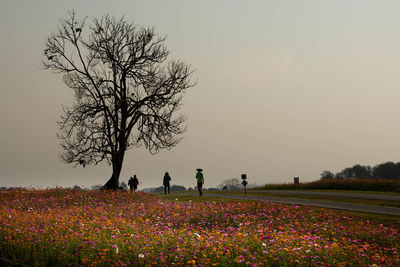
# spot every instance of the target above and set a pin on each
(126, 94)
(230, 184)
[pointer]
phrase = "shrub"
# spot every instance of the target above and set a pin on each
(384, 185)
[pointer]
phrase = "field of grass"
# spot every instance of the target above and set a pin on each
(61, 227)
(382, 185)
(365, 201)
(381, 218)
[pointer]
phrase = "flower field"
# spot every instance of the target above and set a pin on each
(58, 227)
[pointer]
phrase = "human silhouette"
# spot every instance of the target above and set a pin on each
(133, 183)
(200, 181)
(166, 184)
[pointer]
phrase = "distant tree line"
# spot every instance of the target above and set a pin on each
(174, 188)
(387, 170)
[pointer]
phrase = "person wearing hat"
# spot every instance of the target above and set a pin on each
(200, 181)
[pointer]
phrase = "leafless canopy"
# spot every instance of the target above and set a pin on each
(126, 94)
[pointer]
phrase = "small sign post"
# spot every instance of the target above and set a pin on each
(244, 183)
(296, 182)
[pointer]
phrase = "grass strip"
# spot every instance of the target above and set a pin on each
(381, 218)
(365, 201)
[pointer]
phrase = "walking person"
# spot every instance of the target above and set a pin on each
(166, 184)
(133, 183)
(200, 181)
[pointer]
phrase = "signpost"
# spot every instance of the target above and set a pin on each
(296, 182)
(244, 183)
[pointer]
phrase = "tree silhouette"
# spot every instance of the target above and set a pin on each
(327, 175)
(126, 94)
(231, 184)
(387, 170)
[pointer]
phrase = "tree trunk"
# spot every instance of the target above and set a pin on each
(113, 182)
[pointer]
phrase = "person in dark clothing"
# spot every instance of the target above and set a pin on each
(133, 183)
(200, 181)
(166, 184)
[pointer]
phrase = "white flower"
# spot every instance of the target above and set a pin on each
(141, 256)
(196, 234)
(190, 200)
(176, 199)
(264, 244)
(308, 251)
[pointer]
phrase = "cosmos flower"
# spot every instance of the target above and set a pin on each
(119, 229)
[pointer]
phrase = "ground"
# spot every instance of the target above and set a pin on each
(66, 227)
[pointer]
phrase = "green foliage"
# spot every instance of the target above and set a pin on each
(384, 185)
(387, 170)
(327, 175)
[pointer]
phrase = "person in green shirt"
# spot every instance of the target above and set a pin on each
(200, 181)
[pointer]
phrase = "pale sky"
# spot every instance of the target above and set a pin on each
(285, 88)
